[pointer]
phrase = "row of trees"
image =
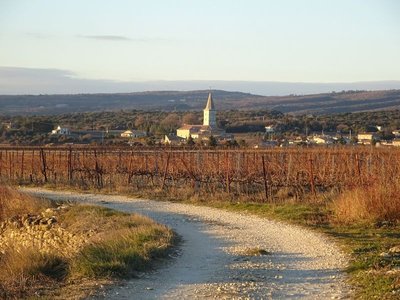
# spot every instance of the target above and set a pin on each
(157, 123)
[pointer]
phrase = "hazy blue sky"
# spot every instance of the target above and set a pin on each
(251, 40)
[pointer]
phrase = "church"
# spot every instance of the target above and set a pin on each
(209, 127)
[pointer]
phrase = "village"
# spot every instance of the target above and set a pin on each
(209, 134)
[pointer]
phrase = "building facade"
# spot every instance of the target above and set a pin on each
(209, 127)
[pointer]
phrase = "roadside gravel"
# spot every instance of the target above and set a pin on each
(212, 262)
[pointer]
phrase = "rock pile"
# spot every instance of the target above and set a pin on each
(393, 252)
(40, 231)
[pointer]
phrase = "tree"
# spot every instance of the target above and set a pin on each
(212, 141)
(170, 122)
(242, 144)
(231, 144)
(150, 141)
(190, 118)
(140, 122)
(342, 128)
(129, 124)
(190, 141)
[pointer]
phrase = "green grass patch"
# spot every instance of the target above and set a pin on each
(294, 212)
(123, 253)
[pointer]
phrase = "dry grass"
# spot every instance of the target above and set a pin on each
(29, 272)
(27, 269)
(14, 203)
(377, 203)
(117, 245)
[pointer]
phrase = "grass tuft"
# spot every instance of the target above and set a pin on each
(27, 271)
(122, 253)
(14, 203)
(377, 203)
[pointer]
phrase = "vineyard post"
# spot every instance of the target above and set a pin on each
(312, 182)
(16, 174)
(289, 169)
(10, 165)
(130, 173)
(70, 165)
(99, 177)
(53, 163)
(44, 167)
(5, 163)
(165, 171)
(265, 178)
(15, 170)
(228, 182)
(32, 164)
(358, 168)
(22, 165)
(190, 172)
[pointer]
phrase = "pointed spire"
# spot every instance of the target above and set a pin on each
(210, 103)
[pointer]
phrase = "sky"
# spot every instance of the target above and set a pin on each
(115, 42)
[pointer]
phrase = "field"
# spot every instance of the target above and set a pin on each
(261, 175)
(350, 193)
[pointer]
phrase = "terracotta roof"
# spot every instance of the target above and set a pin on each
(188, 127)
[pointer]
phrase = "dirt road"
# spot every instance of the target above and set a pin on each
(212, 263)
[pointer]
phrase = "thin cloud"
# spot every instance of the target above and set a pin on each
(122, 38)
(106, 37)
(22, 72)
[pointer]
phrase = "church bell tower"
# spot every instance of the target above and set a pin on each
(210, 113)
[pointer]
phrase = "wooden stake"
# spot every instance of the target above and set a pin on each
(165, 171)
(265, 178)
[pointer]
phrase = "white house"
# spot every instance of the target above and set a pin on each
(173, 140)
(269, 129)
(61, 131)
(366, 138)
(133, 134)
(396, 133)
(322, 139)
(7, 125)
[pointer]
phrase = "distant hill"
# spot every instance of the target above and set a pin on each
(350, 101)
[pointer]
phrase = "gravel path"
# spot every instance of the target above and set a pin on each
(211, 263)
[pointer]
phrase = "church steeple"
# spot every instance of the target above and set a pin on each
(210, 102)
(209, 113)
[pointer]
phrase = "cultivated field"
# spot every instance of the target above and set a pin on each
(350, 193)
(249, 172)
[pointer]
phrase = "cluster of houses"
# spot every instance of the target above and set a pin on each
(183, 134)
(203, 133)
(365, 138)
(98, 134)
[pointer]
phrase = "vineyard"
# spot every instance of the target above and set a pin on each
(261, 173)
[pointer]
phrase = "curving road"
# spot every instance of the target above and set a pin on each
(212, 263)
